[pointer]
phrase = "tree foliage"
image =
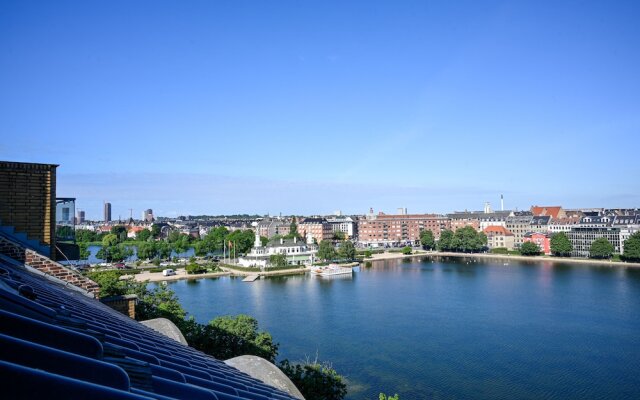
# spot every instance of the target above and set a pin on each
(560, 245)
(347, 250)
(632, 248)
(147, 251)
(85, 235)
(389, 397)
(446, 240)
(227, 337)
(406, 250)
(601, 248)
(143, 235)
(465, 240)
(427, 239)
(326, 251)
(315, 381)
(120, 231)
(278, 260)
(529, 249)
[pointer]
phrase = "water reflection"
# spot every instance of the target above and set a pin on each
(451, 328)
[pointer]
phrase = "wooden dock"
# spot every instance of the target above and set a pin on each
(251, 278)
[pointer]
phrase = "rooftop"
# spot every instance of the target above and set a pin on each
(56, 341)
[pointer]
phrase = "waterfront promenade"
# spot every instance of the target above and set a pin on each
(505, 257)
(228, 270)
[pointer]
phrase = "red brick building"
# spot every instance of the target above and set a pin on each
(387, 229)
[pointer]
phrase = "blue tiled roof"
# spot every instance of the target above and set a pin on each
(58, 343)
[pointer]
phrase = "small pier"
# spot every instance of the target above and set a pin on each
(251, 278)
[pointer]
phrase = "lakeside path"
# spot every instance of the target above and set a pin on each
(180, 274)
(505, 257)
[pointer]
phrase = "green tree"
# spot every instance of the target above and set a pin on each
(84, 250)
(233, 336)
(278, 260)
(160, 302)
(143, 235)
(110, 240)
(173, 236)
(632, 248)
(242, 240)
(529, 249)
(120, 231)
(468, 240)
(326, 251)
(147, 250)
(155, 231)
(85, 235)
(163, 250)
(427, 239)
(601, 248)
(560, 245)
(368, 253)
(339, 236)
(264, 240)
(389, 397)
(446, 240)
(195, 268)
(406, 250)
(315, 381)
(293, 229)
(347, 250)
(181, 243)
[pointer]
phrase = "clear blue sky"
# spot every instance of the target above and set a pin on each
(308, 107)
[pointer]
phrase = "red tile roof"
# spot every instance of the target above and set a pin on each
(553, 211)
(497, 229)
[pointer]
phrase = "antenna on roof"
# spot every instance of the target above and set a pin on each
(501, 202)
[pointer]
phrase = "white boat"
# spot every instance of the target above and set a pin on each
(331, 269)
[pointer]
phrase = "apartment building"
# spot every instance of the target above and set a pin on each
(385, 229)
(499, 237)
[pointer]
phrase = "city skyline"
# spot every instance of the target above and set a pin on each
(212, 108)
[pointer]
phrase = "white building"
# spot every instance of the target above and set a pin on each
(345, 225)
(297, 252)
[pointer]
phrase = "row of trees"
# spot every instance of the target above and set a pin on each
(463, 240)
(117, 246)
(468, 240)
(327, 251)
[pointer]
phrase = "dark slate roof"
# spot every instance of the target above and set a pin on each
(627, 220)
(57, 343)
(597, 219)
(540, 220)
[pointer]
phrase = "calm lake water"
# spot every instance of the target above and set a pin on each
(448, 329)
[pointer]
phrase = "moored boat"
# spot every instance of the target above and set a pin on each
(331, 269)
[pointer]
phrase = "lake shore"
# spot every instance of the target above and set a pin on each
(506, 257)
(181, 274)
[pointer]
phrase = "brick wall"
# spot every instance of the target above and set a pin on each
(46, 265)
(28, 199)
(125, 304)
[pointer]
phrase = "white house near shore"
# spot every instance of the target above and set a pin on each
(297, 252)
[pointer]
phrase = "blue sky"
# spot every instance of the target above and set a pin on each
(309, 107)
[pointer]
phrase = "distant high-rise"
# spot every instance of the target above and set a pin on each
(147, 215)
(107, 212)
(81, 217)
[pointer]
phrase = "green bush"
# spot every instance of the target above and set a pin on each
(316, 381)
(195, 269)
(406, 250)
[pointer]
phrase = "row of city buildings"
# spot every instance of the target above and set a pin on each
(504, 228)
